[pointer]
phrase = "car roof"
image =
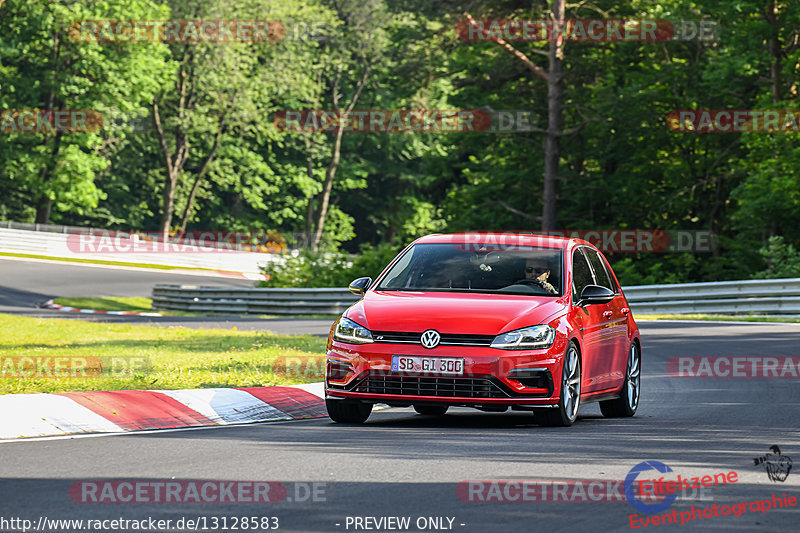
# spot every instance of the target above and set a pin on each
(500, 239)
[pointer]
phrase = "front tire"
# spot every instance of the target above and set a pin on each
(628, 402)
(566, 412)
(431, 410)
(348, 411)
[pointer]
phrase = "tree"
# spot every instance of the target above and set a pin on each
(44, 67)
(554, 78)
(221, 96)
(349, 57)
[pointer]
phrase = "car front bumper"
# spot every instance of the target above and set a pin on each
(491, 378)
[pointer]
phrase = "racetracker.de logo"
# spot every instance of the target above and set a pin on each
(733, 121)
(405, 121)
(38, 121)
(735, 367)
(573, 490)
(586, 30)
(203, 491)
(70, 366)
(121, 242)
(176, 31)
(626, 241)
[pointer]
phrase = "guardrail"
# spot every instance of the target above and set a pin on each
(772, 297)
(219, 300)
(763, 297)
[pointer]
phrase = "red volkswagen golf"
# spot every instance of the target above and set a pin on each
(490, 321)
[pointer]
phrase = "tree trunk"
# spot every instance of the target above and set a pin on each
(44, 204)
(201, 174)
(309, 234)
(555, 98)
(327, 187)
(330, 174)
(775, 50)
(43, 208)
(174, 165)
(555, 103)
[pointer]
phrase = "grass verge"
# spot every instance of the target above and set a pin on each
(51, 355)
(721, 318)
(114, 303)
(110, 303)
(144, 305)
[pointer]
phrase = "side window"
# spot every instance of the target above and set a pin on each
(581, 275)
(599, 268)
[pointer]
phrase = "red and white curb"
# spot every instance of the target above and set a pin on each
(252, 276)
(50, 305)
(50, 414)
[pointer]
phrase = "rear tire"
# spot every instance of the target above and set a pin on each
(566, 412)
(348, 411)
(628, 401)
(431, 410)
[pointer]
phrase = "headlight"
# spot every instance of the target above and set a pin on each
(349, 331)
(531, 338)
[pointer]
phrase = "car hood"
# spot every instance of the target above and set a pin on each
(467, 313)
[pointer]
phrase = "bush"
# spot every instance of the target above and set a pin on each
(329, 269)
(783, 260)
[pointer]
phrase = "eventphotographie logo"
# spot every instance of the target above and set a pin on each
(632, 495)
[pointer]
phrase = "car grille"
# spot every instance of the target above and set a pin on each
(447, 339)
(445, 387)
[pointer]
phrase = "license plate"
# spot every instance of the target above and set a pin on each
(443, 366)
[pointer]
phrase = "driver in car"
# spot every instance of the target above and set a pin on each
(535, 270)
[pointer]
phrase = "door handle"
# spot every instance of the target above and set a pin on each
(625, 310)
(607, 314)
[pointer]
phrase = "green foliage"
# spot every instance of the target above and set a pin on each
(328, 269)
(783, 260)
(620, 167)
(42, 68)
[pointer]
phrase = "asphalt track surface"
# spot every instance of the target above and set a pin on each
(24, 285)
(403, 464)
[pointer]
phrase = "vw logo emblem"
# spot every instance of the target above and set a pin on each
(430, 338)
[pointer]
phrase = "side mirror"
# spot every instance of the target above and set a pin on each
(595, 294)
(359, 286)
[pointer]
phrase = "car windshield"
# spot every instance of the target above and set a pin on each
(460, 268)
